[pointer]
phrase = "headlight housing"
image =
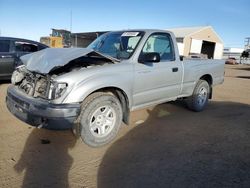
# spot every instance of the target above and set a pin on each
(18, 75)
(57, 89)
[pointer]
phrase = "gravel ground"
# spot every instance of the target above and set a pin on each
(164, 146)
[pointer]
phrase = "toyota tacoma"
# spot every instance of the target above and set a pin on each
(93, 90)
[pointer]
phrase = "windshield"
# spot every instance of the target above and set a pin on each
(120, 45)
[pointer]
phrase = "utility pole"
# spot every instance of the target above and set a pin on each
(70, 21)
(247, 43)
(70, 38)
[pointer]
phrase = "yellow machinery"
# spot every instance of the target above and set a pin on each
(53, 42)
(59, 38)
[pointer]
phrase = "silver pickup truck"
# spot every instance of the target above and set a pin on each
(93, 90)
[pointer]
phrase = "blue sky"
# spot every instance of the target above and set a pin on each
(34, 18)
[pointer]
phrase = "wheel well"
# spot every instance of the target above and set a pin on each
(122, 97)
(209, 79)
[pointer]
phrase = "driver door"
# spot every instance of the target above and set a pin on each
(157, 82)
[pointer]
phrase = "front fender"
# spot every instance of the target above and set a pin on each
(86, 87)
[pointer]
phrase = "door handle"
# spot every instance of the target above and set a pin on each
(175, 69)
(144, 72)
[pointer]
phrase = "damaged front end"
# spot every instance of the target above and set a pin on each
(29, 99)
(35, 86)
(37, 76)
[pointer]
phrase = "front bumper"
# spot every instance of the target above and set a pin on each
(40, 112)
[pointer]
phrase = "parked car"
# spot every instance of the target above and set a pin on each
(231, 61)
(93, 90)
(11, 49)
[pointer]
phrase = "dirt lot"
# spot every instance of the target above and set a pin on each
(164, 146)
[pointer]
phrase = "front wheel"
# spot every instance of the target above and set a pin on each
(100, 119)
(198, 101)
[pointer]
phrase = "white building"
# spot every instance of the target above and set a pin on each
(232, 52)
(198, 40)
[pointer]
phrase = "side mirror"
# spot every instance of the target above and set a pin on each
(152, 57)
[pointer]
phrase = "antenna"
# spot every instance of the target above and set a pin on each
(70, 21)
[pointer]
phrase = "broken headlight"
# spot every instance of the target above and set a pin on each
(18, 75)
(57, 90)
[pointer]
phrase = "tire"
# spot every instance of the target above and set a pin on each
(100, 119)
(199, 99)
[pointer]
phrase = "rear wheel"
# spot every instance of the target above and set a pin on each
(100, 119)
(198, 101)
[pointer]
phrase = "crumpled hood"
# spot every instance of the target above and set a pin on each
(50, 58)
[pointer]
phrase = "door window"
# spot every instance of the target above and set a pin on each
(4, 45)
(160, 43)
(25, 47)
